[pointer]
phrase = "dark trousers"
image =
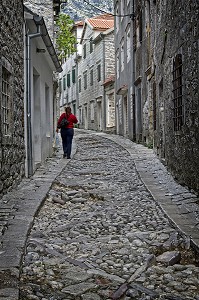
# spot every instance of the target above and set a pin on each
(67, 137)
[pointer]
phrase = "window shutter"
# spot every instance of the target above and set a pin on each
(68, 80)
(73, 75)
(64, 82)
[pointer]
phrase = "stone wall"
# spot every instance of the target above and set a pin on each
(12, 150)
(177, 30)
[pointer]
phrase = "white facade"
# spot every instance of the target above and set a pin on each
(68, 77)
(40, 103)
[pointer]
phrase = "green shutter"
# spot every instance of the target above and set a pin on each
(64, 82)
(73, 76)
(68, 80)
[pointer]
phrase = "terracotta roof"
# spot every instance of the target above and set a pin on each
(109, 80)
(79, 23)
(104, 16)
(102, 22)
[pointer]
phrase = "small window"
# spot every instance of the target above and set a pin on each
(85, 80)
(64, 82)
(99, 72)
(140, 26)
(177, 93)
(68, 80)
(91, 77)
(80, 85)
(73, 76)
(91, 45)
(92, 112)
(6, 101)
(84, 50)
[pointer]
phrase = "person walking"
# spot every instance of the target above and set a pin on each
(67, 132)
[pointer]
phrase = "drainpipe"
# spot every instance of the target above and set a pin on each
(133, 77)
(28, 98)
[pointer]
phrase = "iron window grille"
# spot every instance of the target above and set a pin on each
(177, 93)
(6, 105)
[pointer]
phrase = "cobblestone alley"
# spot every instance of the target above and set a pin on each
(94, 231)
(100, 235)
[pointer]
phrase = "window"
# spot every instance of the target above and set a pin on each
(85, 80)
(80, 85)
(6, 105)
(64, 82)
(73, 76)
(68, 80)
(91, 77)
(84, 50)
(99, 72)
(91, 45)
(177, 93)
(140, 25)
(92, 111)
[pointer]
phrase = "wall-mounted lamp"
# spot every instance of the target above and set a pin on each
(41, 50)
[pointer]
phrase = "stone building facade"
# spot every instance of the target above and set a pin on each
(12, 148)
(96, 65)
(176, 79)
(68, 89)
(156, 50)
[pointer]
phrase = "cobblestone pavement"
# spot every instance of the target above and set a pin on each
(101, 235)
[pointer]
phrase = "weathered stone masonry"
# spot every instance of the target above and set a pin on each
(178, 28)
(12, 150)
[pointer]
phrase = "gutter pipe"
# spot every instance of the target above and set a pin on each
(28, 98)
(41, 32)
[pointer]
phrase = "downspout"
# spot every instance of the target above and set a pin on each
(28, 98)
(133, 76)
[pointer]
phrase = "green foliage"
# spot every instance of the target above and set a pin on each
(66, 41)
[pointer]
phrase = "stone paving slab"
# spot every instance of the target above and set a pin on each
(24, 202)
(153, 176)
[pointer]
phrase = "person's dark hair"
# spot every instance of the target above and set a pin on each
(68, 109)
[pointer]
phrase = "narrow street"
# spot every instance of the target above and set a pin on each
(100, 234)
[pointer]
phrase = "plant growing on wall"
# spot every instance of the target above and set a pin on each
(66, 41)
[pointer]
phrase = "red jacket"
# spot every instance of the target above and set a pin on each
(71, 118)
